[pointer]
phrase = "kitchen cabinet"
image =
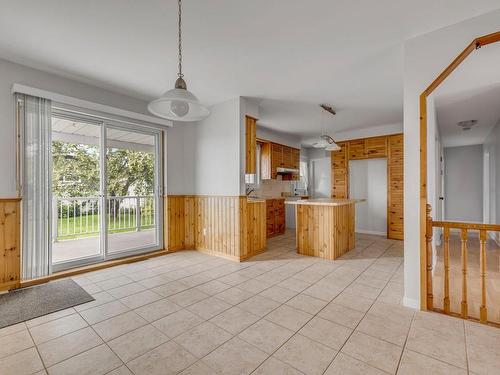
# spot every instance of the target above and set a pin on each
(251, 145)
(295, 158)
(275, 217)
(339, 159)
(274, 156)
(376, 147)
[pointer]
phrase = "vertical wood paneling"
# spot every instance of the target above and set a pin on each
(395, 184)
(10, 249)
(227, 226)
(325, 231)
(251, 144)
(340, 175)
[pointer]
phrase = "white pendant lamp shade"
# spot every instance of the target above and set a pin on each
(332, 147)
(178, 105)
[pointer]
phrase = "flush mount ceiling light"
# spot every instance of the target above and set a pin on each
(467, 125)
(179, 104)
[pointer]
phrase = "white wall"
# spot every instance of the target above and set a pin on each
(492, 146)
(424, 58)
(368, 180)
(218, 148)
(180, 155)
(11, 73)
(368, 132)
(463, 174)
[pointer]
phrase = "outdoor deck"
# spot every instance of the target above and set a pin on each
(65, 250)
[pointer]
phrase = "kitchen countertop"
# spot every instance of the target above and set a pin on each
(263, 198)
(325, 202)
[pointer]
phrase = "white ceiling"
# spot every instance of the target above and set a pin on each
(290, 55)
(471, 92)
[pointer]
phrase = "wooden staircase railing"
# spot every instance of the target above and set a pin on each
(464, 229)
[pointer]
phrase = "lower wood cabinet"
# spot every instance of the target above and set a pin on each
(275, 217)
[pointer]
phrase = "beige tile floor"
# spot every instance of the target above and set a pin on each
(278, 313)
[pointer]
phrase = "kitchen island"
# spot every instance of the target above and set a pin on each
(325, 227)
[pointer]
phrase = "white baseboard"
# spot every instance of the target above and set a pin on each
(412, 303)
(362, 231)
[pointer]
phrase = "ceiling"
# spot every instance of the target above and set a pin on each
(288, 55)
(471, 92)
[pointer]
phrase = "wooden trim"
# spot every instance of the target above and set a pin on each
(250, 144)
(93, 267)
(423, 201)
(372, 137)
(10, 243)
(474, 45)
(464, 225)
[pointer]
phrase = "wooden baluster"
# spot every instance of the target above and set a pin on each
(464, 274)
(483, 313)
(428, 238)
(446, 255)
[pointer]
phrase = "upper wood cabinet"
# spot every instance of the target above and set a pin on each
(368, 148)
(376, 147)
(357, 149)
(274, 156)
(295, 158)
(251, 145)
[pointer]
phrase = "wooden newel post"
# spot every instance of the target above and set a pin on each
(428, 239)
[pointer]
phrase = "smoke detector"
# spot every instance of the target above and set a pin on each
(467, 125)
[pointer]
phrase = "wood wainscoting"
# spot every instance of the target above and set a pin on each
(227, 226)
(10, 248)
(390, 147)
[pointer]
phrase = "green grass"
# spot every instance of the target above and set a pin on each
(76, 227)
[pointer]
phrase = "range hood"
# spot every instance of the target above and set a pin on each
(281, 170)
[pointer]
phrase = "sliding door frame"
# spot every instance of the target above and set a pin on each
(157, 190)
(105, 123)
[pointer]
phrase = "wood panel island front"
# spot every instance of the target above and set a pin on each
(325, 227)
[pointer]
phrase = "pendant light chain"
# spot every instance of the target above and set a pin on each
(180, 39)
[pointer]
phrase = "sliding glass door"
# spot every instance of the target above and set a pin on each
(132, 197)
(105, 190)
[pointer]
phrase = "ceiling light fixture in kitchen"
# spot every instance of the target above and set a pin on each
(326, 141)
(179, 104)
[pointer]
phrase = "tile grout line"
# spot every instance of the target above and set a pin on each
(230, 286)
(364, 315)
(315, 315)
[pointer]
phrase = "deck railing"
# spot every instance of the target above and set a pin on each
(77, 217)
(464, 229)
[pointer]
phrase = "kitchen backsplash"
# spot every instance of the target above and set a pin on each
(273, 188)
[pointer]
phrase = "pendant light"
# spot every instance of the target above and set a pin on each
(325, 141)
(179, 104)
